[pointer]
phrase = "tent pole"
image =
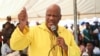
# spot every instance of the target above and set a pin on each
(75, 20)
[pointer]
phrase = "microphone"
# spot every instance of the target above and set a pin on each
(54, 30)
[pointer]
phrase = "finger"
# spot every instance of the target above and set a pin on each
(23, 15)
(60, 39)
(59, 42)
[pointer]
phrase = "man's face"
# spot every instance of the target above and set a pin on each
(52, 17)
(90, 47)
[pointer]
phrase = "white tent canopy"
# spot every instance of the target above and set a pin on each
(36, 8)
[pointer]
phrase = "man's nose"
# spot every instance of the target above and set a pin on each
(51, 18)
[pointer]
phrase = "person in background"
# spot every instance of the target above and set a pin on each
(95, 31)
(8, 21)
(66, 26)
(80, 37)
(99, 36)
(87, 33)
(7, 28)
(0, 41)
(5, 48)
(82, 48)
(37, 23)
(89, 49)
(42, 40)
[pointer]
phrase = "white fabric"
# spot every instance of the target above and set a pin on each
(10, 7)
(96, 50)
(5, 49)
(36, 8)
(96, 31)
(85, 54)
(16, 53)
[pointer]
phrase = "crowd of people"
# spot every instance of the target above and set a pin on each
(5, 35)
(48, 38)
(88, 38)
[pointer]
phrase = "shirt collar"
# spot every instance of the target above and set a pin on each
(44, 27)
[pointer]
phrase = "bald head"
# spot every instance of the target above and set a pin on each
(54, 7)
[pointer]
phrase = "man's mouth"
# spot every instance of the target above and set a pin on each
(51, 23)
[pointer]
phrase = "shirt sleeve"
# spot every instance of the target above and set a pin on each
(19, 40)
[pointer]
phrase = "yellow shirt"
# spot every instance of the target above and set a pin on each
(40, 40)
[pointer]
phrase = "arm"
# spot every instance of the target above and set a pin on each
(20, 37)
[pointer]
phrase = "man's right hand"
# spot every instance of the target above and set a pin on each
(23, 19)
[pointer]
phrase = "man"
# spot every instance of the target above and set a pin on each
(8, 21)
(87, 32)
(41, 40)
(8, 28)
